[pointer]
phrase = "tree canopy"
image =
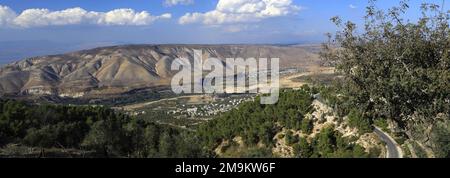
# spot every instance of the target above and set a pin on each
(395, 68)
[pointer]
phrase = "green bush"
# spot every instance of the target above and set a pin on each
(290, 138)
(307, 126)
(302, 149)
(356, 120)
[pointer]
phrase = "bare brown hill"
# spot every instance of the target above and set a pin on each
(117, 69)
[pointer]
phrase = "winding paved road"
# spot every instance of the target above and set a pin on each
(393, 150)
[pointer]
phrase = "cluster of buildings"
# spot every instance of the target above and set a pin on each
(207, 110)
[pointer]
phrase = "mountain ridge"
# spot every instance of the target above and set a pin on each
(117, 69)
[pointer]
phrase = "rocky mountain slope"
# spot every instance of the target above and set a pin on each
(117, 69)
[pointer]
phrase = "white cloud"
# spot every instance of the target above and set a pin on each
(241, 11)
(129, 17)
(351, 6)
(170, 3)
(73, 16)
(6, 15)
(44, 17)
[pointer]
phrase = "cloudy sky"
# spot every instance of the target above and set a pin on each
(177, 21)
(42, 27)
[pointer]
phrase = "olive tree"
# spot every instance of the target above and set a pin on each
(395, 68)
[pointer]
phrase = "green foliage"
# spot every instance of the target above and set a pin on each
(100, 129)
(307, 126)
(107, 136)
(334, 96)
(112, 134)
(325, 142)
(381, 123)
(43, 137)
(357, 120)
(374, 152)
(441, 136)
(420, 153)
(330, 144)
(303, 149)
(395, 68)
(60, 125)
(258, 153)
(290, 138)
(257, 123)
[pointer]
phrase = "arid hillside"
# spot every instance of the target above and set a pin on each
(118, 69)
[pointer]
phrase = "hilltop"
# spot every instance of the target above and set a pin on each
(119, 69)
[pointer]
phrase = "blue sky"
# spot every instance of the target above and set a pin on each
(42, 27)
(303, 21)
